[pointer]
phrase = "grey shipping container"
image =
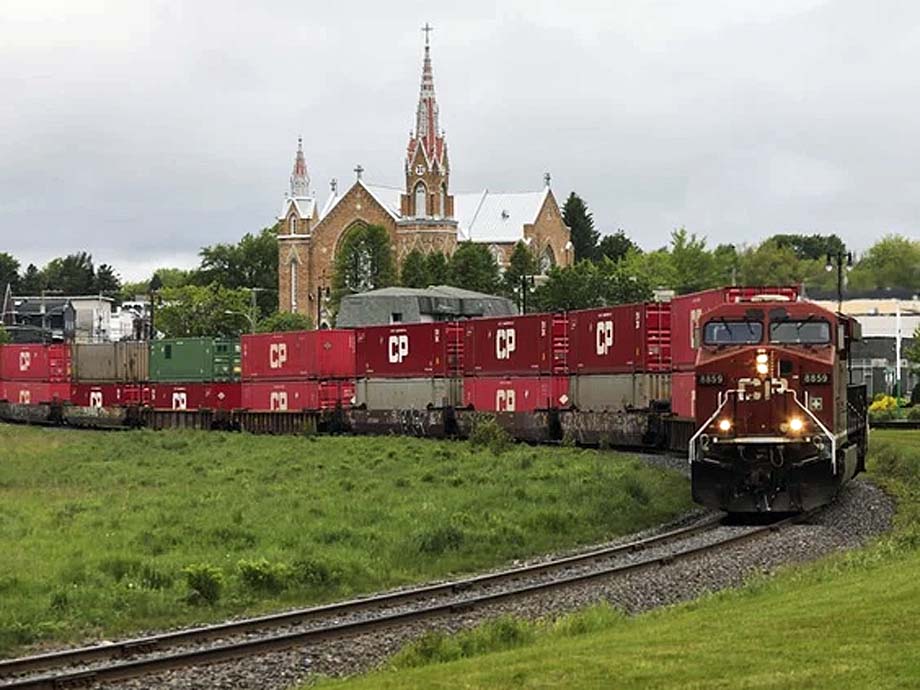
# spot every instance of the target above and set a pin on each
(124, 362)
(614, 392)
(408, 394)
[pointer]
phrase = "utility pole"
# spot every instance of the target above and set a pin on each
(842, 262)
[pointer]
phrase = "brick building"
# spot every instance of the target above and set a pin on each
(421, 214)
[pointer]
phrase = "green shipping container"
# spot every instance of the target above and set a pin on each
(190, 360)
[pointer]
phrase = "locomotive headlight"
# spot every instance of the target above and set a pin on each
(725, 425)
(796, 425)
(763, 363)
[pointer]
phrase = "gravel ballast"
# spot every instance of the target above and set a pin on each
(861, 512)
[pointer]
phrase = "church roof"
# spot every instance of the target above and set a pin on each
(495, 217)
(303, 204)
(388, 197)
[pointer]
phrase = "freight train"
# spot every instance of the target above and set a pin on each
(648, 375)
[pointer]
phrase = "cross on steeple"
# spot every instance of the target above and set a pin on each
(427, 29)
(358, 170)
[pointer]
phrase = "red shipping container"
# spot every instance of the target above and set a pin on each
(683, 394)
(338, 393)
(196, 396)
(140, 394)
(408, 350)
(516, 393)
(621, 339)
(532, 344)
(299, 355)
(281, 396)
(686, 311)
(97, 395)
(35, 392)
(36, 363)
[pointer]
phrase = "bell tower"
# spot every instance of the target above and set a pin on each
(427, 168)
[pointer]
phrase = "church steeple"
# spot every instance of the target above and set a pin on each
(300, 180)
(427, 167)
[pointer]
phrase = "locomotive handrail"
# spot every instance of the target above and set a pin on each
(820, 425)
(693, 439)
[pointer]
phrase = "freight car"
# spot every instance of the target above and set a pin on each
(779, 427)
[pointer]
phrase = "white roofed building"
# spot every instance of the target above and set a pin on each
(422, 213)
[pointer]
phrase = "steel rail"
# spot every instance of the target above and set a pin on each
(142, 667)
(153, 643)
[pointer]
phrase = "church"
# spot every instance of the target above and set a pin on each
(422, 214)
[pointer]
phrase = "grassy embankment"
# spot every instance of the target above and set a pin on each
(849, 621)
(102, 534)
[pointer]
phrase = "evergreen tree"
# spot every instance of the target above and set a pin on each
(522, 263)
(437, 268)
(9, 273)
(414, 270)
(584, 237)
(106, 281)
(473, 267)
(71, 275)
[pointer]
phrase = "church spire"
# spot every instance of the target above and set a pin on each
(427, 133)
(300, 180)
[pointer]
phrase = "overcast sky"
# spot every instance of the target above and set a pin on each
(140, 131)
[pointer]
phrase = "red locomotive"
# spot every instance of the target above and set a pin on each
(778, 426)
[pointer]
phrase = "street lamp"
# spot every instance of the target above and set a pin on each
(527, 282)
(841, 261)
(155, 285)
(249, 317)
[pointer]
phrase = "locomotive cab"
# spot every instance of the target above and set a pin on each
(779, 427)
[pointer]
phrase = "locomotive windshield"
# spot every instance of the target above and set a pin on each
(723, 332)
(804, 332)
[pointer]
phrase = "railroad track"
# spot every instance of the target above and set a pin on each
(86, 666)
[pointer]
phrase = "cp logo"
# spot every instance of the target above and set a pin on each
(505, 342)
(25, 397)
(25, 361)
(95, 398)
(504, 400)
(278, 401)
(180, 401)
(604, 337)
(397, 348)
(277, 355)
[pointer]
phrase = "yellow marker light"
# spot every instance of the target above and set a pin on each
(725, 425)
(796, 425)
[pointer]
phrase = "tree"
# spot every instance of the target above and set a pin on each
(71, 275)
(414, 270)
(251, 263)
(581, 223)
(692, 262)
(9, 272)
(893, 261)
(473, 267)
(106, 281)
(522, 263)
(4, 336)
(364, 262)
(195, 310)
(771, 264)
(285, 321)
(725, 265)
(655, 268)
(811, 247)
(587, 284)
(615, 246)
(438, 268)
(32, 282)
(169, 277)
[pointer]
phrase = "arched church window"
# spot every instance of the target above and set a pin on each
(547, 260)
(292, 224)
(420, 198)
(293, 283)
(499, 257)
(443, 199)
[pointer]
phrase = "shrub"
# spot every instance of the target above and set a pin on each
(883, 403)
(204, 583)
(315, 573)
(487, 433)
(440, 539)
(913, 413)
(262, 576)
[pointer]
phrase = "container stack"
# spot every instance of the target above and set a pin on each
(299, 370)
(35, 374)
(195, 373)
(111, 374)
(409, 366)
(516, 364)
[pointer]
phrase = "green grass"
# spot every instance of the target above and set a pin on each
(104, 534)
(848, 621)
